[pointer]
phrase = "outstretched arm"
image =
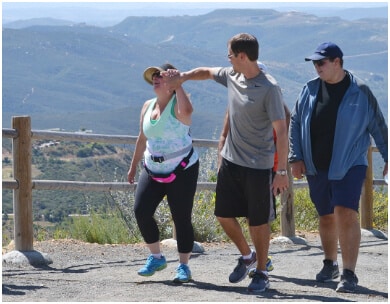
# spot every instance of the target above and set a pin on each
(201, 73)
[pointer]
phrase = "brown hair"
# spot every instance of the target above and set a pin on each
(245, 43)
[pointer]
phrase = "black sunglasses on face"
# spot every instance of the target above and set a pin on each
(320, 62)
(156, 74)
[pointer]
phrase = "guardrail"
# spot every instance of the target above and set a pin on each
(22, 185)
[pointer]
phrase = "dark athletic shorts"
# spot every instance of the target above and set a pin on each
(326, 194)
(244, 192)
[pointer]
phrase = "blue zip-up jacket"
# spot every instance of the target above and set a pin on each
(358, 117)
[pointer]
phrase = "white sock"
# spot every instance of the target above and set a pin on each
(157, 255)
(247, 257)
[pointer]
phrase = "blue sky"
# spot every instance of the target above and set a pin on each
(108, 13)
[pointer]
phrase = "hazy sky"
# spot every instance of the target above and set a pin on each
(106, 13)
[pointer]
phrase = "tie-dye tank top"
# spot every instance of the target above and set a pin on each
(164, 136)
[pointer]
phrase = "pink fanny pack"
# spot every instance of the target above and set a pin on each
(165, 180)
(170, 177)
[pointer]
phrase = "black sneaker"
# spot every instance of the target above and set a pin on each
(348, 281)
(328, 272)
(241, 270)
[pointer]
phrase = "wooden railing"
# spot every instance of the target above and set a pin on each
(22, 185)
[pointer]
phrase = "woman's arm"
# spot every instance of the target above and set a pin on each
(183, 107)
(140, 147)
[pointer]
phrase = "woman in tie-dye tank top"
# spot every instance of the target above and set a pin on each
(170, 168)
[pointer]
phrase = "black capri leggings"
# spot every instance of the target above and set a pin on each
(180, 196)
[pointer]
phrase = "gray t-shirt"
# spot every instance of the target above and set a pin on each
(253, 105)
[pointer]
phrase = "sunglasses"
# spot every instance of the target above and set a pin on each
(156, 74)
(321, 62)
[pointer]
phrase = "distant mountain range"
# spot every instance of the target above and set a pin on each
(71, 76)
(111, 13)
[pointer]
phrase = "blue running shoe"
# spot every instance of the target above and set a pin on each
(260, 281)
(183, 274)
(152, 265)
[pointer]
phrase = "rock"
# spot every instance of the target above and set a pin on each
(289, 240)
(197, 248)
(24, 258)
(374, 233)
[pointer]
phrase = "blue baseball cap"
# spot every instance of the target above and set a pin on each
(326, 50)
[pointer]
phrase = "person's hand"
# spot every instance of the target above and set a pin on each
(298, 169)
(171, 79)
(131, 175)
(172, 73)
(280, 184)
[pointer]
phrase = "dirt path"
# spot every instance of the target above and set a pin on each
(89, 272)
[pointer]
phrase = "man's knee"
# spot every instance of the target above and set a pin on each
(221, 219)
(226, 220)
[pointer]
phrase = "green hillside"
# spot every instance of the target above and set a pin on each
(71, 161)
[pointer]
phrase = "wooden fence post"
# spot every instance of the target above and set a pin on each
(287, 222)
(22, 196)
(367, 197)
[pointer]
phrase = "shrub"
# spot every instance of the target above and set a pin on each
(206, 226)
(84, 152)
(380, 208)
(101, 229)
(121, 227)
(305, 214)
(116, 223)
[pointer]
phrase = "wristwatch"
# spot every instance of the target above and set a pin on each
(281, 172)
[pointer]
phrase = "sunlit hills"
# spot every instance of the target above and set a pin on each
(73, 75)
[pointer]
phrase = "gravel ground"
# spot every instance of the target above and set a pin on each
(83, 272)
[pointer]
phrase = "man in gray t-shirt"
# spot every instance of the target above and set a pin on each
(253, 105)
(246, 184)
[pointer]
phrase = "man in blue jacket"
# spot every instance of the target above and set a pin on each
(330, 130)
